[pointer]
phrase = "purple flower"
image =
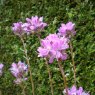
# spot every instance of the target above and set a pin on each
(75, 91)
(34, 24)
(1, 68)
(19, 71)
(18, 29)
(53, 47)
(67, 29)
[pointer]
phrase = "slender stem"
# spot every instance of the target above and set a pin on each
(73, 62)
(27, 59)
(50, 77)
(0, 92)
(39, 37)
(23, 89)
(64, 77)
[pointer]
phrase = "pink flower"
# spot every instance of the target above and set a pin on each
(18, 29)
(67, 29)
(19, 71)
(34, 24)
(1, 69)
(53, 47)
(75, 91)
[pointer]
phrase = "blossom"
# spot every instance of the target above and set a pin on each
(67, 29)
(34, 24)
(75, 91)
(18, 29)
(19, 71)
(1, 68)
(53, 47)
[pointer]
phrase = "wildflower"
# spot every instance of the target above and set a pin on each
(67, 29)
(1, 68)
(19, 71)
(18, 29)
(53, 47)
(75, 91)
(34, 24)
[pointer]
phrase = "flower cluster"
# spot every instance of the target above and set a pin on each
(1, 68)
(67, 29)
(19, 71)
(18, 28)
(53, 47)
(33, 25)
(75, 91)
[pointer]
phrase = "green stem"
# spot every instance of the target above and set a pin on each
(27, 59)
(73, 62)
(50, 77)
(0, 92)
(23, 89)
(64, 77)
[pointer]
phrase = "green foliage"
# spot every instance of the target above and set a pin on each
(81, 12)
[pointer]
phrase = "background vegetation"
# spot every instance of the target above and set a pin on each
(81, 12)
